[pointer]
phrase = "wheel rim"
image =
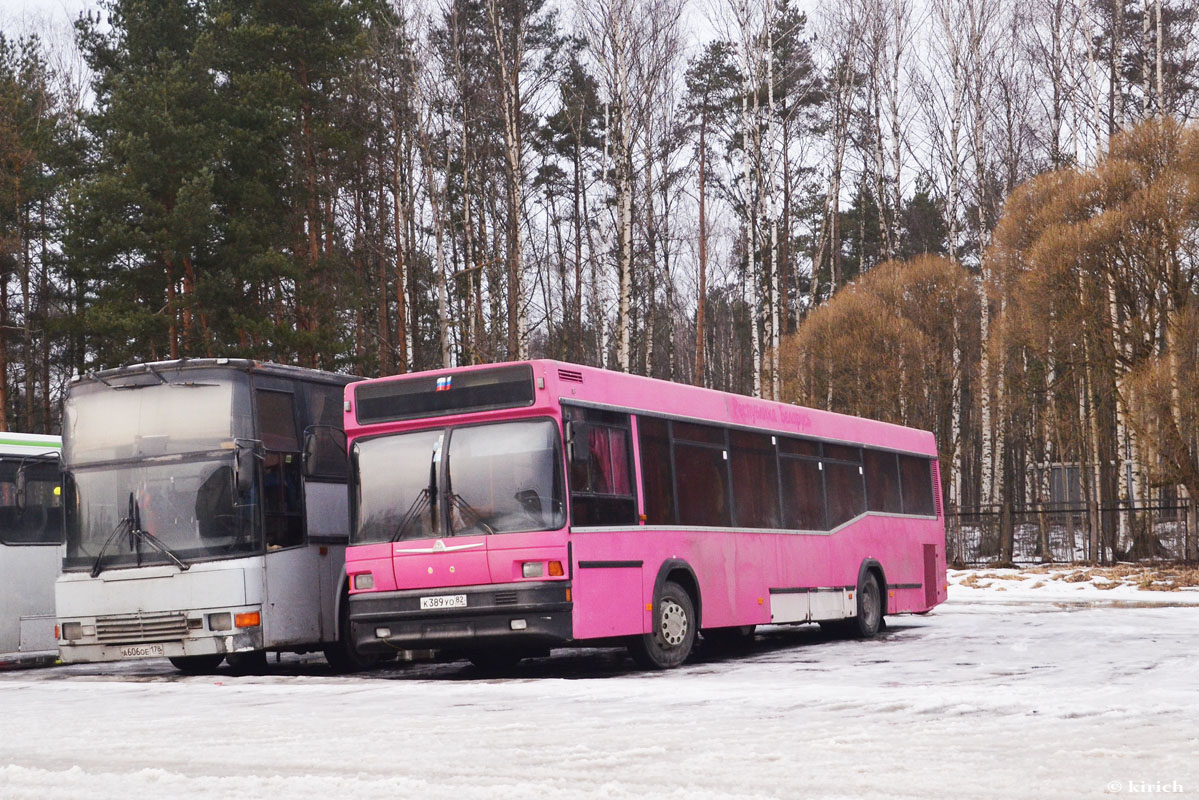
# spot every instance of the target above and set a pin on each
(870, 604)
(673, 628)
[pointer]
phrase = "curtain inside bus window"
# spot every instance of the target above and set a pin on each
(701, 481)
(845, 492)
(601, 476)
(803, 494)
(656, 475)
(882, 481)
(916, 477)
(755, 480)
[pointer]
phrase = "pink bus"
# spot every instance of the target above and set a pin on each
(503, 510)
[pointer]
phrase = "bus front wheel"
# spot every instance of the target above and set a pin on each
(673, 635)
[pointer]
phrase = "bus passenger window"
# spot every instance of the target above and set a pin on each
(701, 480)
(882, 482)
(601, 469)
(755, 480)
(916, 478)
(656, 474)
(846, 494)
(803, 494)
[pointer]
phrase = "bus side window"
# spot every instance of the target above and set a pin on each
(601, 469)
(282, 504)
(882, 481)
(916, 478)
(657, 471)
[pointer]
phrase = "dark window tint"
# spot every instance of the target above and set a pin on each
(689, 431)
(277, 421)
(841, 452)
(601, 470)
(702, 480)
(324, 440)
(882, 482)
(447, 393)
(36, 517)
(803, 494)
(656, 476)
(917, 478)
(282, 506)
(799, 447)
(755, 480)
(845, 493)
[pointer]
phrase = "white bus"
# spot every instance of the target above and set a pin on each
(207, 514)
(30, 546)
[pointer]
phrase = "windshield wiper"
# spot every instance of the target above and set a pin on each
(123, 526)
(414, 511)
(158, 545)
(470, 513)
(153, 540)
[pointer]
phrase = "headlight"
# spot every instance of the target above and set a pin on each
(531, 569)
(222, 621)
(72, 631)
(365, 580)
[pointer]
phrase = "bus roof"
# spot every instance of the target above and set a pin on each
(583, 385)
(237, 364)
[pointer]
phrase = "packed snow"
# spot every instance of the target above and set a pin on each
(1047, 692)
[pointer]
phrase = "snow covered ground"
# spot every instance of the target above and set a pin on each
(1053, 692)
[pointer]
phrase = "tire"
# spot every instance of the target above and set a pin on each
(729, 640)
(670, 642)
(341, 655)
(197, 665)
(869, 620)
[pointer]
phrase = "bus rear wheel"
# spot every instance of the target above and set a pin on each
(673, 635)
(870, 608)
(197, 665)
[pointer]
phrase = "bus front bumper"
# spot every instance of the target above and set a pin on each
(506, 615)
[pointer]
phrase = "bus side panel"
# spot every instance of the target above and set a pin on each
(27, 574)
(608, 584)
(734, 570)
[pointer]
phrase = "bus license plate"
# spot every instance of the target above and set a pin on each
(443, 601)
(143, 651)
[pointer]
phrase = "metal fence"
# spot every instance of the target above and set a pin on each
(1063, 533)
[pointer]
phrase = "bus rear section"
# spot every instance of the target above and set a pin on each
(552, 504)
(30, 547)
(207, 514)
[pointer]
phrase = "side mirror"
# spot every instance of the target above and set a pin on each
(246, 461)
(569, 433)
(20, 483)
(325, 452)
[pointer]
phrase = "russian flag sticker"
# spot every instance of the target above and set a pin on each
(443, 383)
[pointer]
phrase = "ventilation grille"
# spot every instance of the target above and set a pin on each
(937, 487)
(142, 627)
(570, 376)
(505, 598)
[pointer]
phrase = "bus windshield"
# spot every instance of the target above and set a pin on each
(497, 478)
(190, 505)
(109, 423)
